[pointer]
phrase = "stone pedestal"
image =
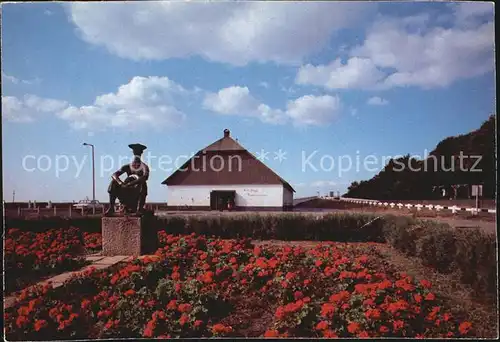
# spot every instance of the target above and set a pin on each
(128, 235)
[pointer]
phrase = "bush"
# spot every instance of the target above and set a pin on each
(470, 252)
(437, 248)
(331, 227)
(476, 259)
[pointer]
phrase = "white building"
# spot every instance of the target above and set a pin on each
(226, 172)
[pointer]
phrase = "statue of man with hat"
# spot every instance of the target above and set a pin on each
(133, 191)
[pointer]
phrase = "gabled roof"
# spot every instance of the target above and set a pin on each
(253, 170)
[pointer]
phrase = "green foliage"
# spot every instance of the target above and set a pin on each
(418, 181)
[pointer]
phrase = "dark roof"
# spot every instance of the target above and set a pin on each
(239, 167)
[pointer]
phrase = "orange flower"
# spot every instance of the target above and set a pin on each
(39, 324)
(464, 327)
(221, 328)
(425, 283)
(322, 325)
(430, 296)
(271, 333)
(417, 297)
(128, 293)
(184, 319)
(363, 334)
(397, 325)
(353, 327)
(327, 310)
(329, 334)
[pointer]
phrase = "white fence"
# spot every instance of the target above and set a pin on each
(419, 207)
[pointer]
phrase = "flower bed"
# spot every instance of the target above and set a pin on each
(30, 256)
(92, 241)
(196, 286)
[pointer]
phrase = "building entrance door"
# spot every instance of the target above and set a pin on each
(220, 198)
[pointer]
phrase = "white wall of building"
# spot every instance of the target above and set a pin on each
(287, 197)
(246, 195)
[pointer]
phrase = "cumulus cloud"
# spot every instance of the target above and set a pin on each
(305, 110)
(230, 32)
(313, 110)
(356, 73)
(29, 108)
(377, 101)
(399, 52)
(143, 102)
(469, 13)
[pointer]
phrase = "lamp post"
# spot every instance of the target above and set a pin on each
(93, 171)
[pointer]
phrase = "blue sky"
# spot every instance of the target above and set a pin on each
(346, 80)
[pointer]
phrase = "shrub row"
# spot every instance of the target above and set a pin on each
(288, 227)
(470, 252)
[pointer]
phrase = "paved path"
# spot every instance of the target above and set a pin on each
(98, 262)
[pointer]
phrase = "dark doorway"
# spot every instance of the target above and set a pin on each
(220, 199)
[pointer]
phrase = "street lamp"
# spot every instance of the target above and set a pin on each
(93, 171)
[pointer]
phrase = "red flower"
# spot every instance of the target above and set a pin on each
(327, 310)
(298, 295)
(221, 328)
(383, 329)
(418, 298)
(322, 325)
(172, 305)
(398, 325)
(184, 319)
(128, 293)
(329, 334)
(425, 283)
(430, 296)
(363, 334)
(353, 327)
(464, 327)
(39, 324)
(184, 307)
(271, 333)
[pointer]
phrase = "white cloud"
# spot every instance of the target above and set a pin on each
(400, 52)
(306, 110)
(377, 101)
(143, 102)
(16, 80)
(233, 100)
(230, 32)
(322, 183)
(264, 84)
(313, 110)
(356, 73)
(469, 13)
(29, 108)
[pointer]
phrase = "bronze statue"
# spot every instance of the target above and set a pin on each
(133, 191)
